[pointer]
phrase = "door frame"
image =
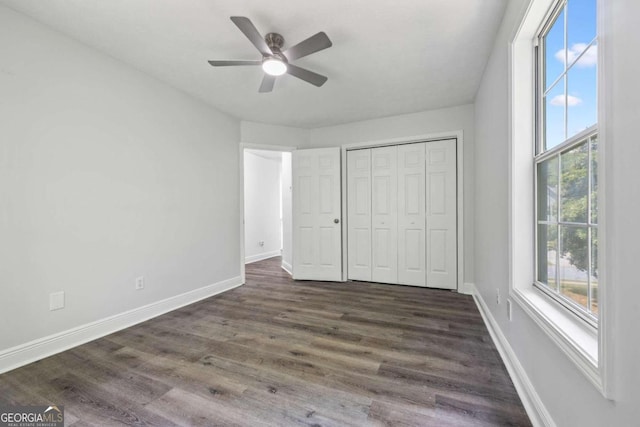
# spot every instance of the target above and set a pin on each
(242, 147)
(458, 135)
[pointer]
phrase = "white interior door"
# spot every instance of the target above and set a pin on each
(441, 214)
(411, 214)
(317, 244)
(384, 214)
(359, 214)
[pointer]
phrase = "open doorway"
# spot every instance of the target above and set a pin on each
(267, 206)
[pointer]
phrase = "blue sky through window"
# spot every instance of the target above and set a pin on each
(571, 92)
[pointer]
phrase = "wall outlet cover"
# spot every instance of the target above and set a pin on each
(56, 300)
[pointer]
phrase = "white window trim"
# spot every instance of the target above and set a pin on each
(588, 349)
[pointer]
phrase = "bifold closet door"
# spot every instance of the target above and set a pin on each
(384, 214)
(402, 213)
(411, 215)
(441, 215)
(359, 214)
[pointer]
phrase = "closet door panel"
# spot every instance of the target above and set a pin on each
(359, 214)
(441, 214)
(384, 215)
(411, 214)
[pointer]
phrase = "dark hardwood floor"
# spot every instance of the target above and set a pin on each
(279, 352)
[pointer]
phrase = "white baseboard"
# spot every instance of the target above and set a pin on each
(536, 410)
(32, 351)
(260, 257)
(287, 267)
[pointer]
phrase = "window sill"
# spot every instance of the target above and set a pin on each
(577, 339)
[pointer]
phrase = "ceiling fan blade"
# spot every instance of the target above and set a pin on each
(306, 47)
(231, 63)
(248, 29)
(306, 75)
(267, 83)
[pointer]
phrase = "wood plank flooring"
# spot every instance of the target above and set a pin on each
(279, 352)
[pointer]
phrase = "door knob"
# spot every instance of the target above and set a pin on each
(336, 220)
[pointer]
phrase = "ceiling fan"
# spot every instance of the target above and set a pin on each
(275, 61)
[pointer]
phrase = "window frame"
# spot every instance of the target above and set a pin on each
(542, 154)
(590, 350)
(557, 152)
(540, 91)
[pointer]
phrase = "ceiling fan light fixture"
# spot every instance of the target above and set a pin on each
(275, 61)
(274, 66)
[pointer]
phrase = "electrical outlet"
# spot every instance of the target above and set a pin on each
(56, 301)
(140, 282)
(497, 295)
(509, 309)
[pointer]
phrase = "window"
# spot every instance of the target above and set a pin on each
(566, 158)
(556, 178)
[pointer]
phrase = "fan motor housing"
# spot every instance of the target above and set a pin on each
(275, 42)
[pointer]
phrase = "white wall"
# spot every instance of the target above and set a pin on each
(407, 125)
(260, 133)
(568, 396)
(262, 204)
(287, 211)
(105, 175)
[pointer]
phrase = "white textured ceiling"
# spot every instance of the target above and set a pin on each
(387, 57)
